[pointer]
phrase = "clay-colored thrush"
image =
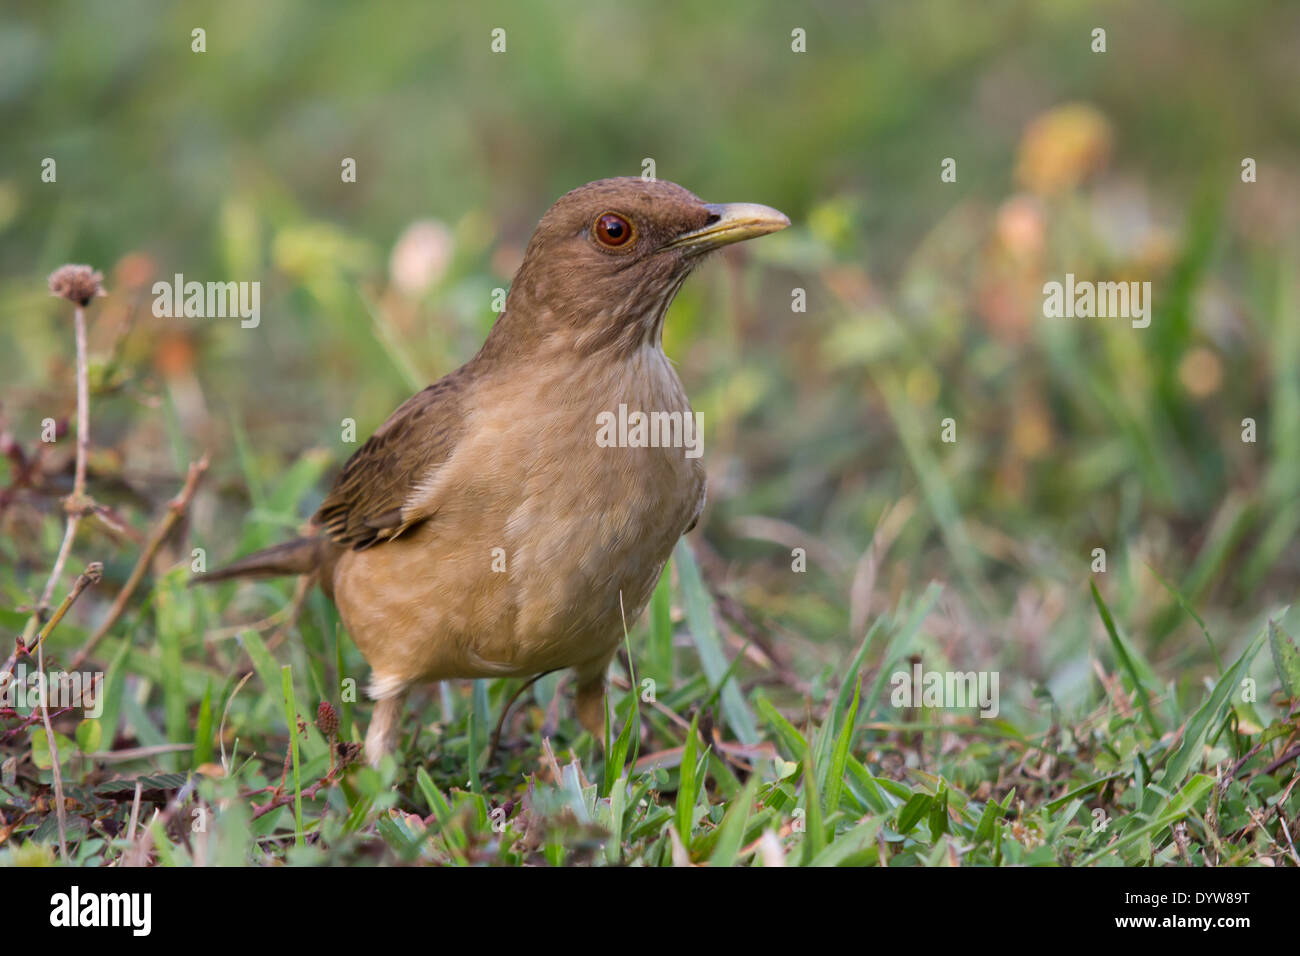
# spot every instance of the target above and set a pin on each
(483, 531)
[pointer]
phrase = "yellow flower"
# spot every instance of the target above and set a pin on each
(1062, 147)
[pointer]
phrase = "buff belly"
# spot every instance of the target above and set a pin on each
(538, 566)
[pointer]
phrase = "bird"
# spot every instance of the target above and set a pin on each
(483, 530)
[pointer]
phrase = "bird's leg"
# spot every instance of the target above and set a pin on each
(590, 699)
(381, 736)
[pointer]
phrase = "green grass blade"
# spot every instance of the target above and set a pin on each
(839, 759)
(731, 832)
(687, 787)
(704, 631)
(1208, 714)
(1126, 659)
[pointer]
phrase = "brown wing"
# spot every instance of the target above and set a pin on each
(366, 505)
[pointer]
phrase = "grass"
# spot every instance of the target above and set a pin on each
(712, 763)
(232, 717)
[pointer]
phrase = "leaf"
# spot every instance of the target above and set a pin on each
(789, 735)
(1126, 658)
(396, 835)
(267, 671)
(847, 844)
(686, 788)
(731, 832)
(203, 730)
(704, 632)
(616, 761)
(89, 733)
(913, 811)
(48, 832)
(659, 647)
(156, 787)
(617, 806)
(850, 683)
(479, 720)
(988, 820)
(815, 841)
(1286, 658)
(41, 748)
(114, 685)
(871, 790)
(438, 804)
(939, 814)
(174, 617)
(1208, 714)
(840, 756)
(617, 755)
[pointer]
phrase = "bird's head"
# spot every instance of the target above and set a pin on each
(608, 257)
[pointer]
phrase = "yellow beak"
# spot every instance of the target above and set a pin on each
(734, 222)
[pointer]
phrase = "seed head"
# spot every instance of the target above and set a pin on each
(327, 719)
(78, 284)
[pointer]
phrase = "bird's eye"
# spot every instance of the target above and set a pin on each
(612, 230)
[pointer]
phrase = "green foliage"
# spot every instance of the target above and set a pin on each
(1105, 788)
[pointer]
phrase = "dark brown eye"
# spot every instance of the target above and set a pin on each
(613, 230)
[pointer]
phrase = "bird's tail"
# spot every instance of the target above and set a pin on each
(300, 556)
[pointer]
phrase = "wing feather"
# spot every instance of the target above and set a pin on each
(368, 502)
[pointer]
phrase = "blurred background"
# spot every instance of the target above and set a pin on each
(924, 298)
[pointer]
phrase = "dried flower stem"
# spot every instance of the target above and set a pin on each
(83, 409)
(77, 284)
(76, 504)
(84, 580)
(91, 576)
(175, 508)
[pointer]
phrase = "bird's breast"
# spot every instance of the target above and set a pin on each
(606, 473)
(550, 526)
